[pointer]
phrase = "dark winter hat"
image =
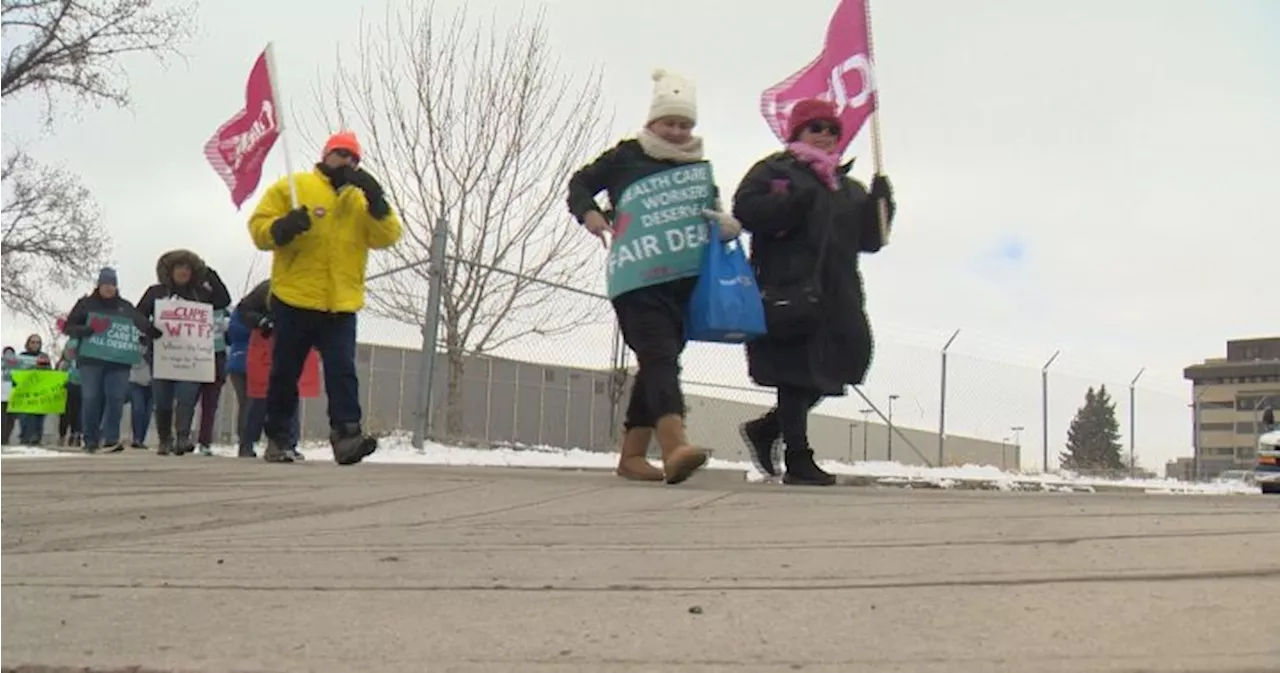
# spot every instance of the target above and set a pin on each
(107, 276)
(808, 111)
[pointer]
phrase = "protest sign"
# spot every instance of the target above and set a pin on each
(659, 229)
(115, 339)
(185, 351)
(38, 391)
(258, 369)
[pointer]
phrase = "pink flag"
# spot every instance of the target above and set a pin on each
(840, 74)
(240, 146)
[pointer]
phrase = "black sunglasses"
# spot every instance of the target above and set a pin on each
(821, 126)
(346, 154)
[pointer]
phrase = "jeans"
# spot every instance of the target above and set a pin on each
(30, 428)
(297, 331)
(72, 419)
(102, 391)
(209, 394)
(141, 407)
(254, 419)
(171, 396)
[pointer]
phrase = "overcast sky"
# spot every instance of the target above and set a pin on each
(1097, 177)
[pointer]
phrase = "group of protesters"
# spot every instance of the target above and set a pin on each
(319, 225)
(810, 222)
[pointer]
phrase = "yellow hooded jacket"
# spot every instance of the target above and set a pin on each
(323, 269)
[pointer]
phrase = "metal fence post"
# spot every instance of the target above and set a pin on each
(1133, 418)
(1044, 407)
(430, 333)
(942, 405)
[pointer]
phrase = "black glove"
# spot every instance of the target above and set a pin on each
(151, 334)
(290, 226)
(373, 192)
(881, 189)
(265, 326)
(78, 331)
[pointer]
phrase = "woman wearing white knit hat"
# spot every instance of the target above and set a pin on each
(662, 198)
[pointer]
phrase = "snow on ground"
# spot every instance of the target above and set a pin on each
(397, 449)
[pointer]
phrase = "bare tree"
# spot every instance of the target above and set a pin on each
(75, 46)
(474, 127)
(53, 237)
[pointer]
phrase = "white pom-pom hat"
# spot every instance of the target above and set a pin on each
(673, 96)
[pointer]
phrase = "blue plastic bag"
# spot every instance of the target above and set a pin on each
(726, 306)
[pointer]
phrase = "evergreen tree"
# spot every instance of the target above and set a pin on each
(1093, 440)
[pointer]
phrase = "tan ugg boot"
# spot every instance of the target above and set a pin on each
(679, 459)
(632, 463)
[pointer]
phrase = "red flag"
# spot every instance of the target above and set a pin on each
(841, 74)
(240, 146)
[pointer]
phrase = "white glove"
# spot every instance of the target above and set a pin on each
(730, 227)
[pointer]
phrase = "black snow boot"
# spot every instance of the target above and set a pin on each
(350, 444)
(803, 471)
(762, 437)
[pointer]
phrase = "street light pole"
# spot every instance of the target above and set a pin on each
(889, 451)
(1017, 442)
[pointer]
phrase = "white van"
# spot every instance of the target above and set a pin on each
(1267, 472)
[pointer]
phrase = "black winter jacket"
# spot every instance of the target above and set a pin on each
(800, 229)
(204, 286)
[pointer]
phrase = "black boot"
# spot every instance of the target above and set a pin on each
(350, 444)
(803, 471)
(762, 438)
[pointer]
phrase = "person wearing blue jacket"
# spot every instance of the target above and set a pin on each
(252, 312)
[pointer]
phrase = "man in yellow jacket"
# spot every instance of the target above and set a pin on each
(319, 251)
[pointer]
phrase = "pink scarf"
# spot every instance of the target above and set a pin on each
(822, 163)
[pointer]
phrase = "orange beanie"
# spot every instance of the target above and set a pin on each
(343, 140)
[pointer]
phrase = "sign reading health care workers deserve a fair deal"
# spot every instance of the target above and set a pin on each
(659, 230)
(185, 351)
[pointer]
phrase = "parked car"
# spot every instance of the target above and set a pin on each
(1267, 473)
(1236, 477)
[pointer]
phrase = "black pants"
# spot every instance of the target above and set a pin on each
(652, 323)
(69, 421)
(790, 418)
(297, 331)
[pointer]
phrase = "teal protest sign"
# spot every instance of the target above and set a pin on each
(659, 230)
(115, 339)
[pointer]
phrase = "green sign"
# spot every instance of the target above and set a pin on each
(38, 391)
(659, 230)
(115, 339)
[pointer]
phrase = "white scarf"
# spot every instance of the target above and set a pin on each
(663, 150)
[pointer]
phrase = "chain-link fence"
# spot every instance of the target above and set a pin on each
(940, 405)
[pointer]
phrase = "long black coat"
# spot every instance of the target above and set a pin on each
(789, 213)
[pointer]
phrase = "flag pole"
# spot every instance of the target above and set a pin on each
(280, 125)
(877, 151)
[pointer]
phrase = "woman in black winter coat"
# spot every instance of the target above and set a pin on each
(181, 274)
(662, 197)
(809, 223)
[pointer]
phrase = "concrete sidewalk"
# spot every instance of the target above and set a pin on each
(207, 565)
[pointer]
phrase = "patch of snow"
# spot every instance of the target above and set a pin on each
(396, 449)
(29, 452)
